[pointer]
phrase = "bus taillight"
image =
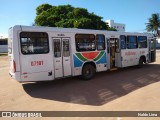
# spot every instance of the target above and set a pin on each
(14, 66)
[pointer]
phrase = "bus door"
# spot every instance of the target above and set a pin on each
(114, 52)
(152, 50)
(61, 51)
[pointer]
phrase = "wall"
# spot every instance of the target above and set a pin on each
(118, 26)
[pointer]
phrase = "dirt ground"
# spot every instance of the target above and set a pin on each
(128, 89)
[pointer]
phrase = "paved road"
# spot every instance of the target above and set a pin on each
(129, 89)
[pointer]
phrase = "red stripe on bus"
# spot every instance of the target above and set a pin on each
(90, 55)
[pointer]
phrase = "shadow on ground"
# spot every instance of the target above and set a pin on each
(105, 87)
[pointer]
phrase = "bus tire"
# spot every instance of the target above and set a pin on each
(88, 72)
(141, 61)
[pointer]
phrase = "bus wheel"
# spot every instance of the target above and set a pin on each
(140, 62)
(88, 72)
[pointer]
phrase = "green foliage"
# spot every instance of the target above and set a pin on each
(112, 29)
(68, 17)
(43, 7)
(153, 23)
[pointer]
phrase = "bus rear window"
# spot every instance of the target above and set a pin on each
(34, 43)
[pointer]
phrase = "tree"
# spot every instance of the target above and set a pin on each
(43, 7)
(154, 24)
(112, 29)
(68, 17)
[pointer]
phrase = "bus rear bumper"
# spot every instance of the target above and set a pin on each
(15, 76)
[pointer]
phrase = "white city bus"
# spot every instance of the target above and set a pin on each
(49, 53)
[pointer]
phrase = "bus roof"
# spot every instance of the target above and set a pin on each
(73, 30)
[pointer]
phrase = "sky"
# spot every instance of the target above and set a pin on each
(133, 13)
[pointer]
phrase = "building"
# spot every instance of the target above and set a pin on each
(3, 45)
(117, 26)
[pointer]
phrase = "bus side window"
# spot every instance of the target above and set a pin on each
(3, 42)
(142, 41)
(132, 42)
(100, 41)
(123, 41)
(85, 42)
